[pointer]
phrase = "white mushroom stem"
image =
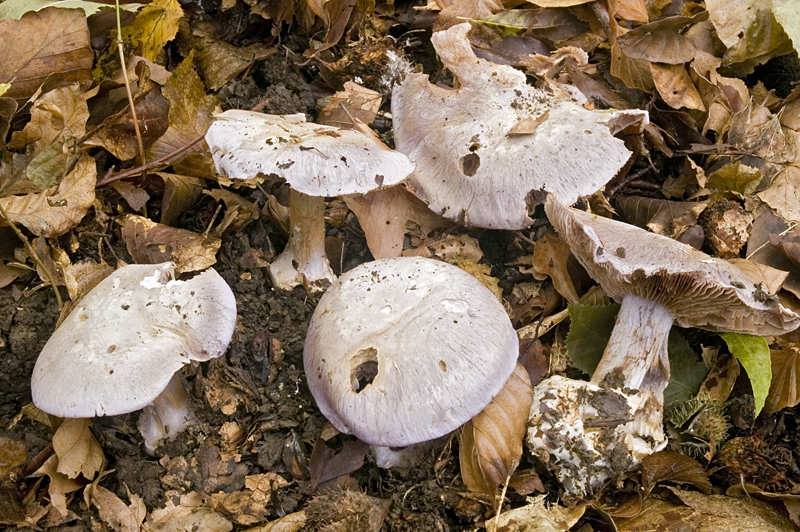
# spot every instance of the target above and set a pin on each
(303, 261)
(167, 416)
(636, 355)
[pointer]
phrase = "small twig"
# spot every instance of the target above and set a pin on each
(128, 89)
(500, 504)
(33, 256)
(143, 169)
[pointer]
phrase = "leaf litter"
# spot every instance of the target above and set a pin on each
(715, 168)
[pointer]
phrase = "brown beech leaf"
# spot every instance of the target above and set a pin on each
(117, 134)
(136, 197)
(55, 211)
(43, 43)
(190, 114)
(326, 464)
(550, 257)
(633, 10)
(770, 279)
(659, 42)
(663, 466)
(747, 27)
(665, 217)
(56, 114)
(152, 243)
(191, 513)
(491, 442)
(706, 513)
(783, 194)
(721, 377)
(155, 25)
(220, 62)
(537, 516)
(60, 485)
(788, 244)
(77, 450)
(383, 215)
(12, 457)
(180, 192)
(634, 73)
(114, 512)
(354, 101)
(238, 214)
(675, 86)
(783, 390)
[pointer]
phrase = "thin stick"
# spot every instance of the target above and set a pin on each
(143, 169)
(33, 256)
(500, 505)
(128, 89)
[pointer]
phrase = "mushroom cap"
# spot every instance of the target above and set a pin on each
(698, 290)
(470, 168)
(314, 159)
(119, 348)
(442, 345)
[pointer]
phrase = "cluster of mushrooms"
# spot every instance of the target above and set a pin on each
(469, 154)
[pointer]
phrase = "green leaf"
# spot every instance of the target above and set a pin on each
(589, 331)
(787, 13)
(752, 352)
(687, 371)
(14, 9)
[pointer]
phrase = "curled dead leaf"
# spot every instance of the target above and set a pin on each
(664, 466)
(491, 442)
(77, 450)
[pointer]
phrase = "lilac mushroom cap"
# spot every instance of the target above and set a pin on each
(122, 344)
(404, 350)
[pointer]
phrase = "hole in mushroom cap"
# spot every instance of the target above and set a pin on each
(469, 164)
(364, 369)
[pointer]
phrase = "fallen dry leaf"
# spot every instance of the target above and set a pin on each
(483, 273)
(783, 390)
(81, 277)
(663, 466)
(220, 62)
(448, 248)
(59, 486)
(551, 256)
(384, 215)
(706, 513)
(114, 512)
(491, 442)
(347, 510)
(747, 27)
(77, 450)
(191, 513)
(180, 192)
(12, 457)
(56, 211)
(721, 377)
(354, 101)
(536, 516)
(675, 86)
(325, 464)
(154, 26)
(659, 42)
(152, 243)
(50, 42)
(117, 135)
(190, 114)
(239, 213)
(770, 279)
(288, 523)
(136, 197)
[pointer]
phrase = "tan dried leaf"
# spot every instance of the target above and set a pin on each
(491, 442)
(770, 279)
(675, 86)
(448, 248)
(354, 102)
(77, 450)
(136, 197)
(634, 73)
(191, 513)
(55, 211)
(663, 466)
(241, 506)
(154, 26)
(152, 243)
(180, 192)
(784, 390)
(220, 62)
(59, 486)
(659, 42)
(536, 516)
(633, 10)
(57, 114)
(240, 211)
(550, 257)
(288, 523)
(83, 276)
(114, 512)
(783, 194)
(50, 42)
(12, 456)
(384, 214)
(483, 273)
(664, 217)
(190, 110)
(747, 27)
(117, 134)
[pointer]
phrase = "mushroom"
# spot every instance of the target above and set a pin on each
(659, 281)
(404, 350)
(488, 152)
(121, 347)
(317, 161)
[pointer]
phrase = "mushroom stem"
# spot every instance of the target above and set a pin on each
(636, 354)
(304, 261)
(167, 416)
